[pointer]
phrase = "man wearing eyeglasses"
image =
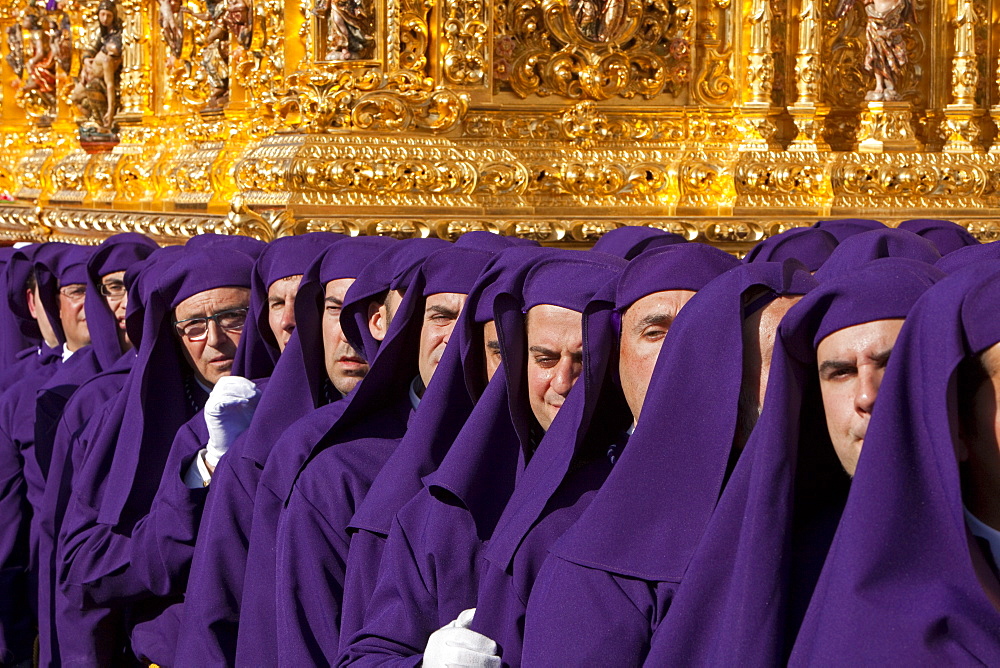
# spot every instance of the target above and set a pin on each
(56, 271)
(62, 412)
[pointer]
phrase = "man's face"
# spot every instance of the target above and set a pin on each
(851, 362)
(555, 358)
(491, 349)
(38, 313)
(116, 297)
(759, 330)
(281, 308)
(211, 358)
(644, 326)
(344, 367)
(72, 316)
(441, 312)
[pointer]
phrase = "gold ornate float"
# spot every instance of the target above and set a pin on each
(723, 120)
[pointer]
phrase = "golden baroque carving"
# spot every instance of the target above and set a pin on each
(369, 101)
(776, 180)
(585, 50)
(911, 180)
(465, 32)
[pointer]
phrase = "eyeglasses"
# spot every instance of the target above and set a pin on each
(74, 293)
(196, 329)
(115, 290)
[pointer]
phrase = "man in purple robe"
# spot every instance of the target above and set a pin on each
(82, 636)
(312, 529)
(751, 577)
(133, 516)
(430, 568)
(469, 362)
(911, 575)
(609, 579)
(56, 301)
(351, 320)
(105, 307)
(297, 386)
(576, 454)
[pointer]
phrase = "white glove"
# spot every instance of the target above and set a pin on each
(455, 645)
(228, 412)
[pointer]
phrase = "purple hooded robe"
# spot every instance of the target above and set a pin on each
(117, 253)
(860, 249)
(749, 581)
(808, 245)
(24, 327)
(81, 637)
(459, 381)
(297, 386)
(846, 227)
(283, 257)
(21, 479)
(121, 548)
(966, 255)
(13, 339)
(618, 566)
(576, 454)
(257, 638)
(905, 581)
(431, 563)
(944, 234)
(312, 529)
(628, 241)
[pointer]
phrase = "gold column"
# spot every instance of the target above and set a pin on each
(961, 124)
(756, 111)
(807, 112)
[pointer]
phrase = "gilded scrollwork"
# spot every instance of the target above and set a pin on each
(370, 101)
(593, 49)
(465, 32)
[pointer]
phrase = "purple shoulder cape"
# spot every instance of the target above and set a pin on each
(745, 591)
(649, 515)
(904, 582)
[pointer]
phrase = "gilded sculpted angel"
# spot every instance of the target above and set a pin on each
(885, 56)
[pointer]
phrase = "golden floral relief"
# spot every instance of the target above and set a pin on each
(593, 49)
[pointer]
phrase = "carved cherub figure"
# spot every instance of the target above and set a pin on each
(885, 56)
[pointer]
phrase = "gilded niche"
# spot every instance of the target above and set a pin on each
(345, 30)
(593, 49)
